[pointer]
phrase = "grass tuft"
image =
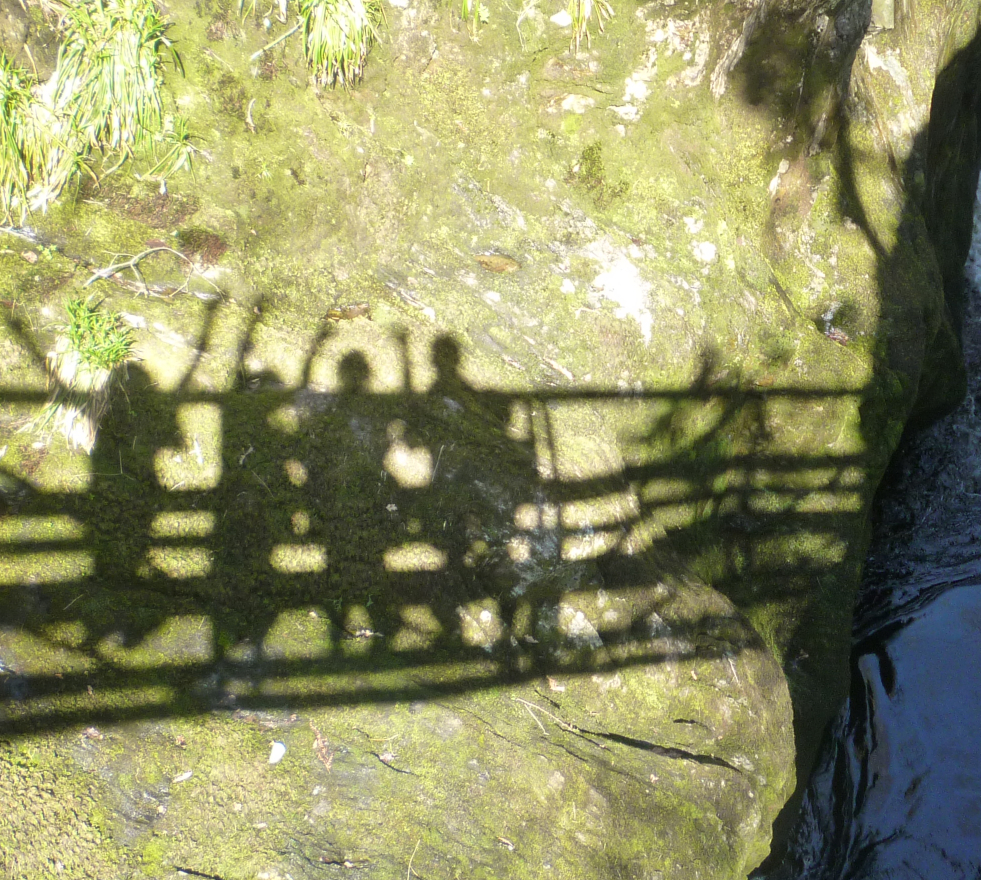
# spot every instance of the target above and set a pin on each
(475, 14)
(105, 96)
(581, 12)
(86, 365)
(337, 36)
(100, 338)
(109, 72)
(22, 153)
(173, 141)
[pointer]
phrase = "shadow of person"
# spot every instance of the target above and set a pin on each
(445, 356)
(349, 494)
(457, 476)
(245, 593)
(451, 393)
(125, 598)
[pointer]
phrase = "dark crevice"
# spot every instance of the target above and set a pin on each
(490, 727)
(665, 751)
(192, 873)
(387, 762)
(571, 753)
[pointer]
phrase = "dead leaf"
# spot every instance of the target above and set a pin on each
(500, 263)
(836, 335)
(322, 749)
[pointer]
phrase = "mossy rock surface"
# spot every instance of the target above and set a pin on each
(507, 456)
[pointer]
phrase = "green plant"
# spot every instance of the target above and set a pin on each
(337, 36)
(105, 95)
(110, 72)
(247, 8)
(99, 338)
(474, 12)
(87, 363)
(581, 11)
(22, 153)
(174, 141)
(589, 174)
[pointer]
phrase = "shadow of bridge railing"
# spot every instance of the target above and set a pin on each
(287, 546)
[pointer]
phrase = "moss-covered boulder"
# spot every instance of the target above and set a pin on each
(505, 453)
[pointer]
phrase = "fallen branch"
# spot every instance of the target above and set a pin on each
(134, 265)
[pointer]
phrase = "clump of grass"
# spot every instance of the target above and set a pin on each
(174, 142)
(337, 36)
(581, 11)
(86, 365)
(22, 153)
(110, 73)
(105, 96)
(102, 341)
(247, 8)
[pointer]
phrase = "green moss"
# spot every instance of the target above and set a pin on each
(234, 537)
(589, 174)
(47, 824)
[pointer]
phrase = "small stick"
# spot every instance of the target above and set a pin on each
(527, 706)
(289, 33)
(212, 54)
(409, 870)
(432, 479)
(264, 486)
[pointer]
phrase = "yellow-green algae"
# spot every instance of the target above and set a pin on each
(747, 459)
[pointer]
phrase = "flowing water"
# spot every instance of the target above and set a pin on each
(897, 790)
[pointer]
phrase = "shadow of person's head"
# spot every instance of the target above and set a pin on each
(446, 358)
(354, 373)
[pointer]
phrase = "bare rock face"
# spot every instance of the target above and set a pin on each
(517, 482)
